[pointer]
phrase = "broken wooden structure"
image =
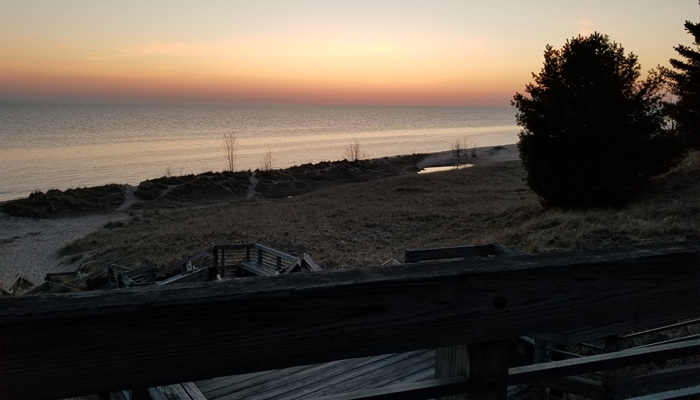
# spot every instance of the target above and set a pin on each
(17, 287)
(61, 345)
(259, 260)
(221, 262)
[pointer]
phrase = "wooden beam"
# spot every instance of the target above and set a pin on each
(93, 342)
(624, 358)
(586, 388)
(678, 377)
(196, 275)
(553, 372)
(679, 394)
(442, 253)
(275, 253)
(258, 269)
(409, 391)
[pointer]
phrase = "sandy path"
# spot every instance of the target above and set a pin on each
(28, 246)
(251, 188)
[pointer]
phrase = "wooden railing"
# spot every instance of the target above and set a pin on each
(258, 259)
(62, 345)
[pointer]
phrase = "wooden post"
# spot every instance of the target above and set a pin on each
(452, 362)
(611, 344)
(223, 261)
(540, 356)
(479, 360)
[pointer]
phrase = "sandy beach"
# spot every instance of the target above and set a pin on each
(29, 246)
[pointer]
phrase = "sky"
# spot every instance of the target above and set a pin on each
(403, 52)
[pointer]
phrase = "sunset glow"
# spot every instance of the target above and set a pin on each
(449, 52)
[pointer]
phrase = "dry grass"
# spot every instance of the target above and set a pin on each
(365, 224)
(58, 203)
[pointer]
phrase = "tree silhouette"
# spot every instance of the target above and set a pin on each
(592, 130)
(230, 146)
(684, 81)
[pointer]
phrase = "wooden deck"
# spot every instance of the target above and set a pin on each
(323, 379)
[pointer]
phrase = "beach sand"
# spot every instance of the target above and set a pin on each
(28, 247)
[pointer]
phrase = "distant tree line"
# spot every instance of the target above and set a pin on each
(594, 132)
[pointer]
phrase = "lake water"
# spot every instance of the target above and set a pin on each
(58, 145)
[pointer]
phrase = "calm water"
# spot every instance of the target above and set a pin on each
(57, 145)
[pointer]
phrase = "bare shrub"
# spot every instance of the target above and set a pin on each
(460, 148)
(354, 151)
(457, 148)
(230, 146)
(266, 162)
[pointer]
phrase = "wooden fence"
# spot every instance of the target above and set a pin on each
(61, 345)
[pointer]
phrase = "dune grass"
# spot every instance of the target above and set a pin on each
(58, 203)
(364, 224)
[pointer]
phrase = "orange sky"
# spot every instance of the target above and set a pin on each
(440, 52)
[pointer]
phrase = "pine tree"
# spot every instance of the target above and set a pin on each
(592, 130)
(684, 81)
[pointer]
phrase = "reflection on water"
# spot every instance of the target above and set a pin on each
(430, 170)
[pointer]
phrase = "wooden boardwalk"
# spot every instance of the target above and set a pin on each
(324, 379)
(78, 344)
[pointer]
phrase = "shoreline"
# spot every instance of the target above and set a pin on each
(28, 246)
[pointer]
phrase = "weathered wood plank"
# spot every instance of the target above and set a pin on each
(501, 250)
(284, 384)
(386, 371)
(409, 391)
(121, 395)
(179, 266)
(289, 268)
(197, 275)
(441, 253)
(592, 332)
(680, 394)
(310, 263)
(678, 377)
(258, 269)
(624, 358)
(275, 253)
(184, 391)
(103, 341)
(587, 388)
(408, 367)
(532, 373)
(227, 385)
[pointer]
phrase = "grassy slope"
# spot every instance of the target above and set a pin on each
(57, 203)
(364, 224)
